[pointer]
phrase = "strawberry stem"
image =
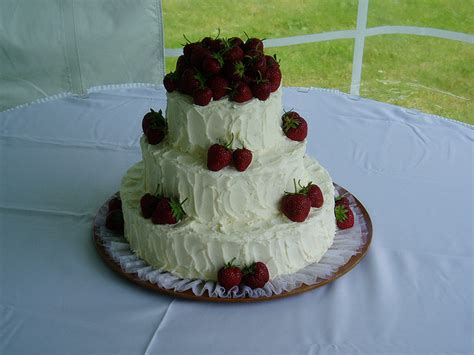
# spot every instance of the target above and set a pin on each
(186, 38)
(158, 120)
(249, 269)
(260, 78)
(177, 209)
(227, 144)
(230, 263)
(202, 80)
(218, 57)
(341, 213)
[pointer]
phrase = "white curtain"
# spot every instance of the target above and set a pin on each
(49, 47)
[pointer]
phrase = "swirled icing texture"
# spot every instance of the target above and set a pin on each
(227, 195)
(193, 249)
(255, 124)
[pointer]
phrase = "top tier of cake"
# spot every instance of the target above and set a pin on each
(254, 124)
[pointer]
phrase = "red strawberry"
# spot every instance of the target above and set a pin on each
(148, 118)
(272, 61)
(181, 65)
(241, 92)
(206, 41)
(252, 55)
(188, 82)
(242, 158)
(315, 195)
(274, 75)
(344, 216)
(154, 135)
(168, 211)
(156, 128)
(234, 71)
(296, 206)
(257, 66)
(170, 82)
(229, 275)
(215, 45)
(219, 156)
(253, 44)
(313, 192)
(189, 48)
(212, 64)
(236, 41)
(114, 221)
(294, 126)
(256, 275)
(202, 96)
(233, 54)
(219, 86)
(198, 55)
(115, 204)
(261, 89)
(342, 201)
(148, 203)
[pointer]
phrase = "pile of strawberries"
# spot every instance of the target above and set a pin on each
(255, 275)
(154, 126)
(221, 155)
(114, 219)
(162, 210)
(217, 67)
(296, 206)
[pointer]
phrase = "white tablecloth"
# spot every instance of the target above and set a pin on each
(412, 294)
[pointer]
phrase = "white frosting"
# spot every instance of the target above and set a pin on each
(192, 249)
(255, 124)
(223, 197)
(230, 214)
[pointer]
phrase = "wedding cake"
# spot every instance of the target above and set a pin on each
(224, 176)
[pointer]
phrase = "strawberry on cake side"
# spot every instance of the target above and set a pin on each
(225, 191)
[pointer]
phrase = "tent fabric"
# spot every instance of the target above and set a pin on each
(51, 47)
(411, 294)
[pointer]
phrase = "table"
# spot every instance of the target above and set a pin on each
(412, 294)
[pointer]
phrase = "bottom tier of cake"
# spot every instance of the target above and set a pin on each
(192, 249)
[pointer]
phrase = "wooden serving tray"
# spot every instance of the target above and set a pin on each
(351, 263)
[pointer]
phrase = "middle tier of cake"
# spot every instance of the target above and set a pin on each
(227, 195)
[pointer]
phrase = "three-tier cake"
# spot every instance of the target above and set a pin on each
(229, 214)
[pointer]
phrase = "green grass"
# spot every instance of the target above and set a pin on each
(433, 75)
(321, 64)
(265, 19)
(452, 15)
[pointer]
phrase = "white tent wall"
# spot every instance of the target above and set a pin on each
(51, 47)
